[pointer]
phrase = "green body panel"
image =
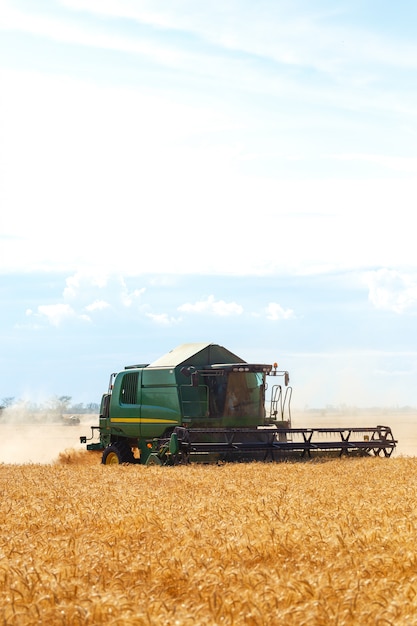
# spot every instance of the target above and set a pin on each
(125, 405)
(160, 410)
(153, 407)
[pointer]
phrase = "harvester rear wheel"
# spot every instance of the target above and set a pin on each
(118, 453)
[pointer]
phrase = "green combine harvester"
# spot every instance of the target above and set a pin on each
(202, 403)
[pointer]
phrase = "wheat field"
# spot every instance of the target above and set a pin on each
(314, 543)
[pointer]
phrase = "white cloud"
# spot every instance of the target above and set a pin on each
(75, 32)
(83, 281)
(212, 307)
(163, 319)
(86, 294)
(97, 305)
(297, 34)
(275, 311)
(100, 154)
(81, 286)
(391, 290)
(56, 314)
(280, 37)
(396, 163)
(72, 286)
(129, 297)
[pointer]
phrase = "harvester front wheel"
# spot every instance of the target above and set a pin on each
(153, 459)
(111, 456)
(118, 453)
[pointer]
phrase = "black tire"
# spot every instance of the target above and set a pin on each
(118, 453)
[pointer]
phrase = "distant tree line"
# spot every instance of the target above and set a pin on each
(57, 405)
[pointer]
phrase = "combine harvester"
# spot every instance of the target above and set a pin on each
(202, 403)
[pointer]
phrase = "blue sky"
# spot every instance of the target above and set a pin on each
(235, 172)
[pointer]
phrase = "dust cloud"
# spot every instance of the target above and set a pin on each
(27, 437)
(45, 439)
(403, 423)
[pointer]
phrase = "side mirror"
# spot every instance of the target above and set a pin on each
(194, 379)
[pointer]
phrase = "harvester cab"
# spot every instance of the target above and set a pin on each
(202, 403)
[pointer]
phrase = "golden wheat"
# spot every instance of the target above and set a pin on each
(316, 543)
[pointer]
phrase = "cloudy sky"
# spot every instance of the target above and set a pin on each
(236, 172)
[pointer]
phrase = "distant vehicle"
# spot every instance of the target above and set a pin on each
(71, 420)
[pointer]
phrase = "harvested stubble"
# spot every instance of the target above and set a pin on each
(312, 543)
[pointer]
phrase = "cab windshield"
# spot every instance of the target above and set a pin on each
(236, 393)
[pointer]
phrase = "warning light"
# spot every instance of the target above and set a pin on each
(275, 366)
